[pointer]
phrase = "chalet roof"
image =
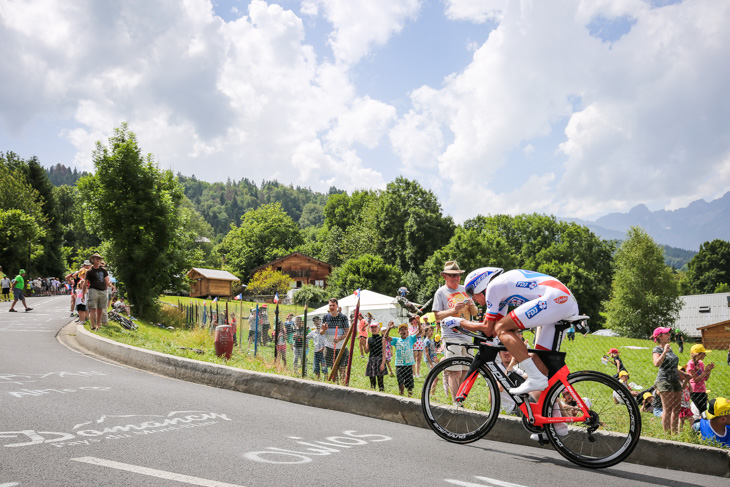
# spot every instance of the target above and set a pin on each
(213, 274)
(700, 310)
(281, 259)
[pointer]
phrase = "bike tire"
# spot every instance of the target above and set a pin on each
(475, 416)
(613, 430)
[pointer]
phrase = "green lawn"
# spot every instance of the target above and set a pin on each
(584, 353)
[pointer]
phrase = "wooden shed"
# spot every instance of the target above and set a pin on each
(301, 268)
(717, 336)
(210, 282)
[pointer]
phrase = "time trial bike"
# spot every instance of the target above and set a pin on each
(589, 417)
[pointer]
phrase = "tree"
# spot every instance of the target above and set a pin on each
(644, 293)
(709, 268)
(265, 234)
(133, 206)
(269, 281)
(310, 295)
(364, 272)
(408, 224)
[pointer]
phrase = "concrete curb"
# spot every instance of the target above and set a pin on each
(656, 453)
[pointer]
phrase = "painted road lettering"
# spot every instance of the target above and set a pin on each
(333, 444)
(20, 379)
(114, 428)
(487, 482)
(43, 392)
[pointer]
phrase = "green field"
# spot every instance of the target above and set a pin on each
(584, 353)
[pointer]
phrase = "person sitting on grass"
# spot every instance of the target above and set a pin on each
(717, 425)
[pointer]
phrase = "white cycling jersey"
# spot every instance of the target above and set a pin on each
(535, 299)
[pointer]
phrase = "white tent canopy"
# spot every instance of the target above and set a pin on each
(383, 308)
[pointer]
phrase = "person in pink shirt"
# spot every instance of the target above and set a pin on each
(696, 368)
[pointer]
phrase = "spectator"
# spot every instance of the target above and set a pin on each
(616, 360)
(289, 327)
(264, 325)
(403, 346)
(280, 342)
(318, 341)
(403, 291)
(717, 425)
(645, 399)
(298, 345)
(362, 332)
(120, 306)
(510, 368)
(416, 329)
(429, 348)
(97, 282)
(375, 369)
(699, 375)
(387, 352)
(571, 333)
(253, 326)
(81, 302)
(728, 355)
(234, 327)
(5, 284)
(451, 300)
(335, 326)
(18, 284)
(680, 340)
(668, 383)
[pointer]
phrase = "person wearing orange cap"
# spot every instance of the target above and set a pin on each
(717, 425)
(699, 376)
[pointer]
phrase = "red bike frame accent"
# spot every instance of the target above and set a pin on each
(540, 420)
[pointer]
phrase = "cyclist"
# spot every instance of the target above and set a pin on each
(537, 299)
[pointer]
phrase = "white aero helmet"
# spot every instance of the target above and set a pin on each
(477, 280)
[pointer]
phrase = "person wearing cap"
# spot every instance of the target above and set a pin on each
(404, 360)
(699, 376)
(375, 369)
(450, 300)
(717, 425)
(97, 282)
(18, 284)
(538, 300)
(614, 354)
(668, 381)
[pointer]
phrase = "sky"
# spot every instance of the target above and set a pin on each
(575, 108)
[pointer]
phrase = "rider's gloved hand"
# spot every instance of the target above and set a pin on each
(451, 322)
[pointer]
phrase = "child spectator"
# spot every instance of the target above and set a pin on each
(280, 344)
(298, 345)
(429, 348)
(699, 376)
(362, 333)
(717, 425)
(289, 326)
(616, 360)
(81, 301)
(685, 413)
(403, 346)
(375, 369)
(319, 341)
(416, 329)
(387, 352)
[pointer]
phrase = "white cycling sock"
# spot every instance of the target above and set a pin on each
(535, 381)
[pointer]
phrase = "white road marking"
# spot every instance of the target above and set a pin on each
(490, 483)
(9, 484)
(153, 472)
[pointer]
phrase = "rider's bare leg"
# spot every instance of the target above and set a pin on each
(536, 374)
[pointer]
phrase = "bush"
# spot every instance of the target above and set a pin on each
(311, 295)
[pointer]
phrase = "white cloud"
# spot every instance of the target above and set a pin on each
(478, 11)
(360, 26)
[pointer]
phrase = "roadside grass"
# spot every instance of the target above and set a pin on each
(584, 353)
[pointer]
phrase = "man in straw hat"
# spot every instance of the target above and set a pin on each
(97, 282)
(451, 300)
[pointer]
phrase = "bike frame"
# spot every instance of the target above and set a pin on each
(558, 372)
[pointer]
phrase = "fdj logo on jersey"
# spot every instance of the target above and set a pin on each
(541, 305)
(527, 284)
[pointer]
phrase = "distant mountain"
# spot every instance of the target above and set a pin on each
(683, 228)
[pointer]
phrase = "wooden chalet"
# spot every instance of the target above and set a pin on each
(301, 268)
(717, 336)
(210, 282)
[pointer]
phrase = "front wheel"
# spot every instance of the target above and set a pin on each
(613, 429)
(459, 422)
